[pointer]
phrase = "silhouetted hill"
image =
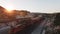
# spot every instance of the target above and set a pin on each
(2, 9)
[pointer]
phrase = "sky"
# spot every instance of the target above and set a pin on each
(40, 6)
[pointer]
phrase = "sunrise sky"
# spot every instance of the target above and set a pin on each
(44, 6)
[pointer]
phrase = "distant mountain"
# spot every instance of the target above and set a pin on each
(5, 16)
(2, 9)
(3, 13)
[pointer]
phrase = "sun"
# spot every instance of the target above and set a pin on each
(9, 8)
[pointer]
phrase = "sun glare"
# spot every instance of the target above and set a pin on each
(9, 8)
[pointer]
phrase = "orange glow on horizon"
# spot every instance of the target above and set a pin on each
(9, 8)
(9, 11)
